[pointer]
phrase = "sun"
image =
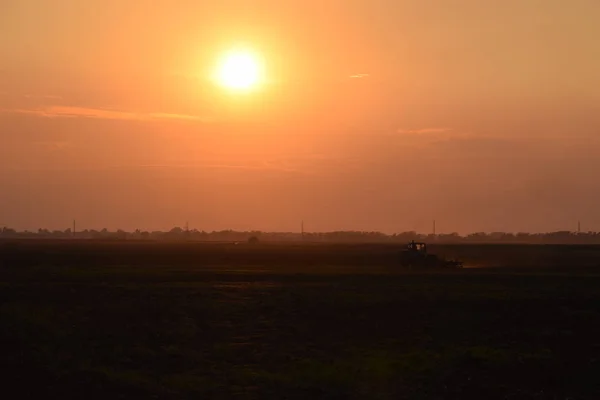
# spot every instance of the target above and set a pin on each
(239, 70)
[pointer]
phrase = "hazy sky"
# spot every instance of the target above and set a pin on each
(375, 115)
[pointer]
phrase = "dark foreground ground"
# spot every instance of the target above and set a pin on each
(195, 321)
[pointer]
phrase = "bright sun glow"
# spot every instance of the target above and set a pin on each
(239, 70)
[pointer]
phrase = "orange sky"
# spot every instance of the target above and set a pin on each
(376, 115)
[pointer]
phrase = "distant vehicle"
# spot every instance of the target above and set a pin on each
(415, 255)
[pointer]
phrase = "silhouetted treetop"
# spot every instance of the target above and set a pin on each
(177, 233)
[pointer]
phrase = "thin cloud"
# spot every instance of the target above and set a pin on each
(54, 145)
(42, 96)
(177, 116)
(98, 113)
(264, 167)
(280, 165)
(423, 131)
(256, 167)
(359, 76)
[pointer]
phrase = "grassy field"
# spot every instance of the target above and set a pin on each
(131, 320)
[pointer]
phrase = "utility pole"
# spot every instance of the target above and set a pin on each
(578, 227)
(434, 227)
(73, 233)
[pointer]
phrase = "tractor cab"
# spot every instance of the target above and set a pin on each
(417, 247)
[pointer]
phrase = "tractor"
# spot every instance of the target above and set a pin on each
(415, 255)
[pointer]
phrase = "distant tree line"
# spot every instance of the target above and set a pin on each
(177, 233)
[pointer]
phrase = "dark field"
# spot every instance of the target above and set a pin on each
(104, 320)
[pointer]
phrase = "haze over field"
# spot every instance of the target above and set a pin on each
(358, 115)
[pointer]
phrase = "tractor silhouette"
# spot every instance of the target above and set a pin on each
(415, 255)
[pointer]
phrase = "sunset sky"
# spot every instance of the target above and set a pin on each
(369, 115)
